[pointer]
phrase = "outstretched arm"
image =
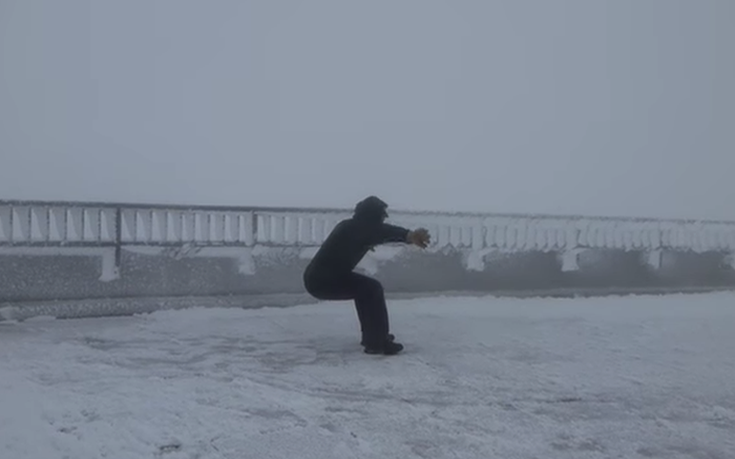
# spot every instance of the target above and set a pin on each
(391, 233)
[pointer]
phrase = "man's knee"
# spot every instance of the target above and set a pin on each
(309, 285)
(372, 287)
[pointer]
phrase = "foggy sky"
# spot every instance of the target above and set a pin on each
(621, 107)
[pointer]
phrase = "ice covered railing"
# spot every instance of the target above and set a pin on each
(552, 233)
(570, 235)
(61, 224)
(79, 228)
(38, 224)
(26, 226)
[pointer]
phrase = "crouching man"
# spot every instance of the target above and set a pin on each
(330, 274)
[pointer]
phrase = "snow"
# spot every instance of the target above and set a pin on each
(618, 377)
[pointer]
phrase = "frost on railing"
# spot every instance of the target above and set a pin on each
(56, 225)
(299, 229)
(175, 227)
(38, 229)
(257, 237)
(528, 234)
(70, 224)
(481, 235)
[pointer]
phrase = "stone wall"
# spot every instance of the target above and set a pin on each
(278, 270)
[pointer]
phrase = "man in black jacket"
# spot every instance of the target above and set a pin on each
(330, 274)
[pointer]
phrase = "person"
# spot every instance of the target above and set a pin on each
(330, 274)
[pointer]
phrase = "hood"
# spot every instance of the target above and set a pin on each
(371, 209)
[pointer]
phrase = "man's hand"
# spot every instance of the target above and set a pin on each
(419, 237)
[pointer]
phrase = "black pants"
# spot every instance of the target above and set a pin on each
(367, 294)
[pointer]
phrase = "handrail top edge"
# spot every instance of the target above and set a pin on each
(265, 209)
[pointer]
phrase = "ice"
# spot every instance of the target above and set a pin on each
(619, 377)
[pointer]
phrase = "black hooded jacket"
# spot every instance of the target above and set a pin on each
(351, 239)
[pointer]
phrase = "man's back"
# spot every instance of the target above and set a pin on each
(348, 243)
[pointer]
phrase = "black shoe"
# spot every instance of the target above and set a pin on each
(388, 348)
(390, 338)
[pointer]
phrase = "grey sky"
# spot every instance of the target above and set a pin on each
(565, 106)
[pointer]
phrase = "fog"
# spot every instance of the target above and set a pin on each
(617, 107)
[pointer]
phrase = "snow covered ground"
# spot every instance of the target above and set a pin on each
(633, 377)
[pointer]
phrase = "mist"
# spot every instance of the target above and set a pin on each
(572, 106)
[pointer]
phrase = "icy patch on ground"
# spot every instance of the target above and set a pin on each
(636, 377)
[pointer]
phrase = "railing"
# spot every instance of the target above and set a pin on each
(74, 224)
(250, 250)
